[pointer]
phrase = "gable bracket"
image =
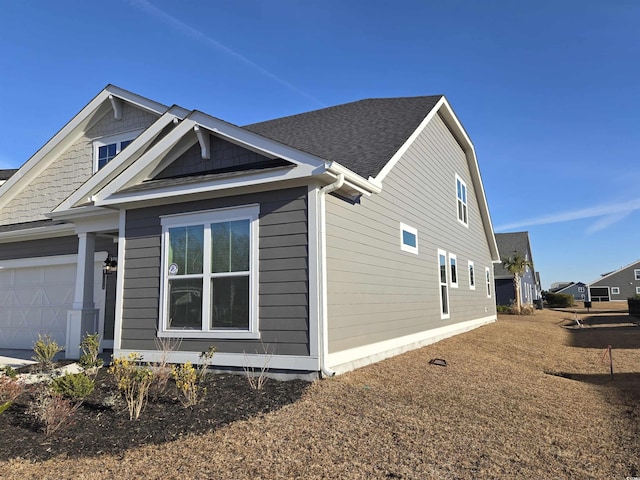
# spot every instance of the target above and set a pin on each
(205, 142)
(116, 104)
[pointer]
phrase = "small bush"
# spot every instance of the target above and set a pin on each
(90, 346)
(559, 300)
(74, 386)
(45, 348)
(10, 389)
(186, 378)
(133, 381)
(503, 308)
(52, 411)
(9, 371)
(205, 362)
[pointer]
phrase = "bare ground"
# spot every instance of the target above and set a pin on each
(527, 397)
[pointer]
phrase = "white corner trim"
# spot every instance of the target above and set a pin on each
(357, 357)
(117, 328)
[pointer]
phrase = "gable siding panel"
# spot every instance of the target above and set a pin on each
(70, 169)
(377, 292)
(283, 274)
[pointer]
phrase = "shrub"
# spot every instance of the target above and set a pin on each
(503, 309)
(205, 361)
(560, 300)
(9, 371)
(53, 411)
(45, 348)
(186, 378)
(133, 381)
(90, 346)
(74, 386)
(10, 389)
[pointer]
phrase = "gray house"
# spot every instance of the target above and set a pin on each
(318, 242)
(576, 289)
(618, 285)
(530, 288)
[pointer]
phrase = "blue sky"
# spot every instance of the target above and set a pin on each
(548, 90)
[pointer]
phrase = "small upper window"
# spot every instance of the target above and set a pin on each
(638, 290)
(461, 194)
(408, 238)
(580, 289)
(636, 273)
(615, 290)
(105, 149)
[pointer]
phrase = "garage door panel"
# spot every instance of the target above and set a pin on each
(36, 299)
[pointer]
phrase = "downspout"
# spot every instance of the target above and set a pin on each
(324, 332)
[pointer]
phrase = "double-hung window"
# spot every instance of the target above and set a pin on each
(453, 270)
(461, 194)
(472, 276)
(636, 273)
(487, 273)
(210, 274)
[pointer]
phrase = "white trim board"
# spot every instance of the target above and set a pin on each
(347, 360)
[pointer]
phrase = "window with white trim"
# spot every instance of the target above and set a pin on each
(580, 289)
(487, 272)
(106, 148)
(408, 239)
(615, 290)
(461, 196)
(210, 272)
(453, 270)
(444, 284)
(472, 276)
(636, 273)
(637, 290)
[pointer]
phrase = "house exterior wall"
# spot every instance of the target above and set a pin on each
(223, 155)
(69, 170)
(505, 293)
(624, 279)
(573, 291)
(283, 309)
(378, 292)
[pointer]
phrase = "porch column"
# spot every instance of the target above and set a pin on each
(82, 318)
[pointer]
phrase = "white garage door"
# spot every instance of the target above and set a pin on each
(35, 295)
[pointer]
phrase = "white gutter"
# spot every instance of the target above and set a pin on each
(367, 186)
(324, 330)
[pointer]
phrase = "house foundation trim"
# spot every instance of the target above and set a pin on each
(347, 360)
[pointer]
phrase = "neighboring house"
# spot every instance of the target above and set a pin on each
(530, 287)
(6, 174)
(618, 285)
(576, 289)
(315, 243)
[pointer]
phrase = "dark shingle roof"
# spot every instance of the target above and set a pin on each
(362, 135)
(7, 173)
(508, 244)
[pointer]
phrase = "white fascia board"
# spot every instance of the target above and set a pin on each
(258, 178)
(253, 141)
(37, 233)
(146, 163)
(595, 282)
(123, 160)
(135, 99)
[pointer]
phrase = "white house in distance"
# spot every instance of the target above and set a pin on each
(331, 239)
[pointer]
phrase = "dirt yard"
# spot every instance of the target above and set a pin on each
(525, 397)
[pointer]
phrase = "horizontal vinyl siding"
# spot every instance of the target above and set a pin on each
(283, 309)
(378, 292)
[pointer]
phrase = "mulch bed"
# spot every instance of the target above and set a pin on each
(97, 427)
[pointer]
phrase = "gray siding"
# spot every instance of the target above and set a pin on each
(378, 292)
(283, 274)
(624, 279)
(224, 155)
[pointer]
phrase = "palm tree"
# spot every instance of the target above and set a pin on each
(516, 264)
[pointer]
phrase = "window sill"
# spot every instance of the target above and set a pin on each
(214, 334)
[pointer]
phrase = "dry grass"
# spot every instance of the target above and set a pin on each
(516, 400)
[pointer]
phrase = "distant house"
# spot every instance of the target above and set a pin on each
(617, 285)
(530, 287)
(317, 243)
(577, 289)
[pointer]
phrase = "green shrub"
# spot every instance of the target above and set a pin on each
(74, 386)
(90, 346)
(133, 381)
(9, 371)
(559, 300)
(45, 348)
(186, 377)
(503, 308)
